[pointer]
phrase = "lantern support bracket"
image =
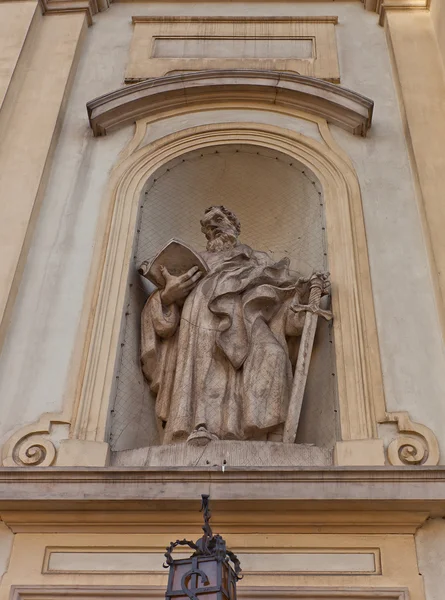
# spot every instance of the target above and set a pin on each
(209, 545)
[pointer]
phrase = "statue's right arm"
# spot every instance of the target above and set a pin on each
(177, 288)
(164, 319)
(163, 308)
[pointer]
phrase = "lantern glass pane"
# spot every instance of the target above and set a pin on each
(179, 570)
(210, 568)
(225, 576)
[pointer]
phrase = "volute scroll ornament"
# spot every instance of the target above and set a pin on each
(35, 451)
(416, 444)
(32, 445)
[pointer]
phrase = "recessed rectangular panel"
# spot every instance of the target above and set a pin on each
(310, 562)
(149, 562)
(164, 45)
(117, 562)
(232, 47)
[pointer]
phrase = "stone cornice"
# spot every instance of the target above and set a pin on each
(400, 5)
(90, 7)
(421, 488)
(373, 500)
(337, 105)
(383, 6)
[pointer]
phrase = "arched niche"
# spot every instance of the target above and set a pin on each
(280, 205)
(360, 392)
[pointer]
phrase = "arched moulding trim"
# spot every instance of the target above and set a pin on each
(358, 366)
(337, 105)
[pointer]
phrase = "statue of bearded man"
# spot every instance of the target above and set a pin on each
(218, 349)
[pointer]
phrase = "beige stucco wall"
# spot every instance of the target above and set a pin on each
(430, 543)
(438, 17)
(6, 540)
(29, 123)
(95, 563)
(35, 364)
(15, 21)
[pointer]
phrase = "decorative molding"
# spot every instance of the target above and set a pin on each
(237, 19)
(321, 560)
(294, 518)
(417, 444)
(323, 500)
(89, 7)
(381, 6)
(342, 107)
(31, 446)
(359, 376)
(176, 44)
(371, 5)
(51, 592)
(400, 5)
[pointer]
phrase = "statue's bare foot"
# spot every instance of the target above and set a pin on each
(201, 437)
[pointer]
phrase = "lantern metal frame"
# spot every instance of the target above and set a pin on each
(210, 552)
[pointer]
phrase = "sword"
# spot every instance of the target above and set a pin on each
(318, 283)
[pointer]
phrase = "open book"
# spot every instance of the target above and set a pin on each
(177, 257)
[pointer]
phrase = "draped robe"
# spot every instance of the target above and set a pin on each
(223, 360)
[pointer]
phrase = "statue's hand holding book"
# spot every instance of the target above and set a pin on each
(177, 257)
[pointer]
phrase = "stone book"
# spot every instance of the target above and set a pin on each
(177, 256)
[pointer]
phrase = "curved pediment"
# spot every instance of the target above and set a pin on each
(342, 107)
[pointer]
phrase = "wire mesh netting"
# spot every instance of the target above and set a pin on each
(280, 205)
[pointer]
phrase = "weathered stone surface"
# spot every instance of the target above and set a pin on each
(231, 453)
(217, 346)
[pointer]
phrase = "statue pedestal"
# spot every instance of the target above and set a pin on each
(230, 453)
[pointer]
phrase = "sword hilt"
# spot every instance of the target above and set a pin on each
(317, 285)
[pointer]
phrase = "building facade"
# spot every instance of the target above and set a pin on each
(305, 395)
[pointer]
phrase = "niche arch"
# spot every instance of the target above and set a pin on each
(281, 209)
(360, 391)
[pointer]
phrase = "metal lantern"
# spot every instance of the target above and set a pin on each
(210, 573)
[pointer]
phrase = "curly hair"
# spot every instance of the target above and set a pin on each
(229, 214)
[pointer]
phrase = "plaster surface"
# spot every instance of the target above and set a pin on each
(339, 562)
(42, 333)
(46, 317)
(430, 543)
(167, 126)
(29, 124)
(6, 540)
(412, 352)
(15, 19)
(438, 17)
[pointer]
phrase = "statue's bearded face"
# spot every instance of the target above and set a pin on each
(219, 230)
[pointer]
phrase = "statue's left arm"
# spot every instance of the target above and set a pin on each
(307, 298)
(295, 320)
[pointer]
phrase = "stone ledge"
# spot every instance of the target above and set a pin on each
(413, 488)
(227, 453)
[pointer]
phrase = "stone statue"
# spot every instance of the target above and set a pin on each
(218, 349)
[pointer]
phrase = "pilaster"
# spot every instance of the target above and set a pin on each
(420, 80)
(30, 119)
